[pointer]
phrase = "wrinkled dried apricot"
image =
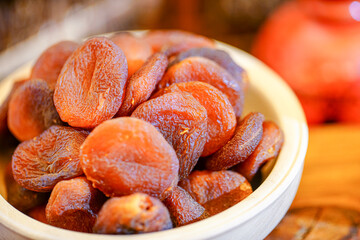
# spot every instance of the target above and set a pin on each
(50, 62)
(136, 213)
(205, 70)
(142, 83)
(216, 191)
(221, 57)
(221, 117)
(21, 198)
(267, 149)
(38, 164)
(182, 121)
(90, 87)
(74, 204)
(136, 50)
(172, 42)
(183, 208)
(31, 110)
(247, 136)
(127, 155)
(38, 213)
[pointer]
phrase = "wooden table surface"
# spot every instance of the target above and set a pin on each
(327, 205)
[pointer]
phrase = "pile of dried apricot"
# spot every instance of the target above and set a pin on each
(132, 134)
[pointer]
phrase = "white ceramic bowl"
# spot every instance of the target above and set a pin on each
(254, 217)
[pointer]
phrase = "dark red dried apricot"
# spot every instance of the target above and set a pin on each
(216, 191)
(31, 110)
(136, 213)
(38, 164)
(182, 121)
(175, 41)
(51, 61)
(74, 205)
(38, 213)
(19, 197)
(221, 117)
(127, 155)
(91, 85)
(136, 50)
(183, 208)
(247, 136)
(267, 149)
(204, 70)
(142, 83)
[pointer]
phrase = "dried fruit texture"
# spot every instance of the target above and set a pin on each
(182, 121)
(136, 213)
(90, 87)
(136, 50)
(183, 208)
(141, 85)
(221, 57)
(74, 205)
(127, 155)
(247, 136)
(50, 62)
(221, 117)
(32, 110)
(216, 191)
(204, 70)
(38, 213)
(172, 42)
(40, 163)
(19, 197)
(268, 149)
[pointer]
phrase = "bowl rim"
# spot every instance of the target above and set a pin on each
(284, 172)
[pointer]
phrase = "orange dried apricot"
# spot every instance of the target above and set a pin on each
(127, 155)
(38, 213)
(136, 213)
(90, 87)
(182, 121)
(247, 136)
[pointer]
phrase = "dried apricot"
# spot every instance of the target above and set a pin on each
(38, 164)
(221, 117)
(21, 198)
(136, 213)
(90, 87)
(205, 70)
(31, 110)
(142, 83)
(38, 213)
(175, 41)
(74, 205)
(183, 208)
(136, 50)
(216, 191)
(127, 155)
(268, 149)
(182, 121)
(221, 57)
(247, 136)
(51, 61)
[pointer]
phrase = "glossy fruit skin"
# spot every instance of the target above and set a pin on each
(74, 205)
(247, 136)
(183, 208)
(135, 213)
(91, 86)
(267, 150)
(221, 116)
(182, 120)
(32, 110)
(51, 61)
(142, 83)
(38, 164)
(204, 70)
(216, 191)
(128, 155)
